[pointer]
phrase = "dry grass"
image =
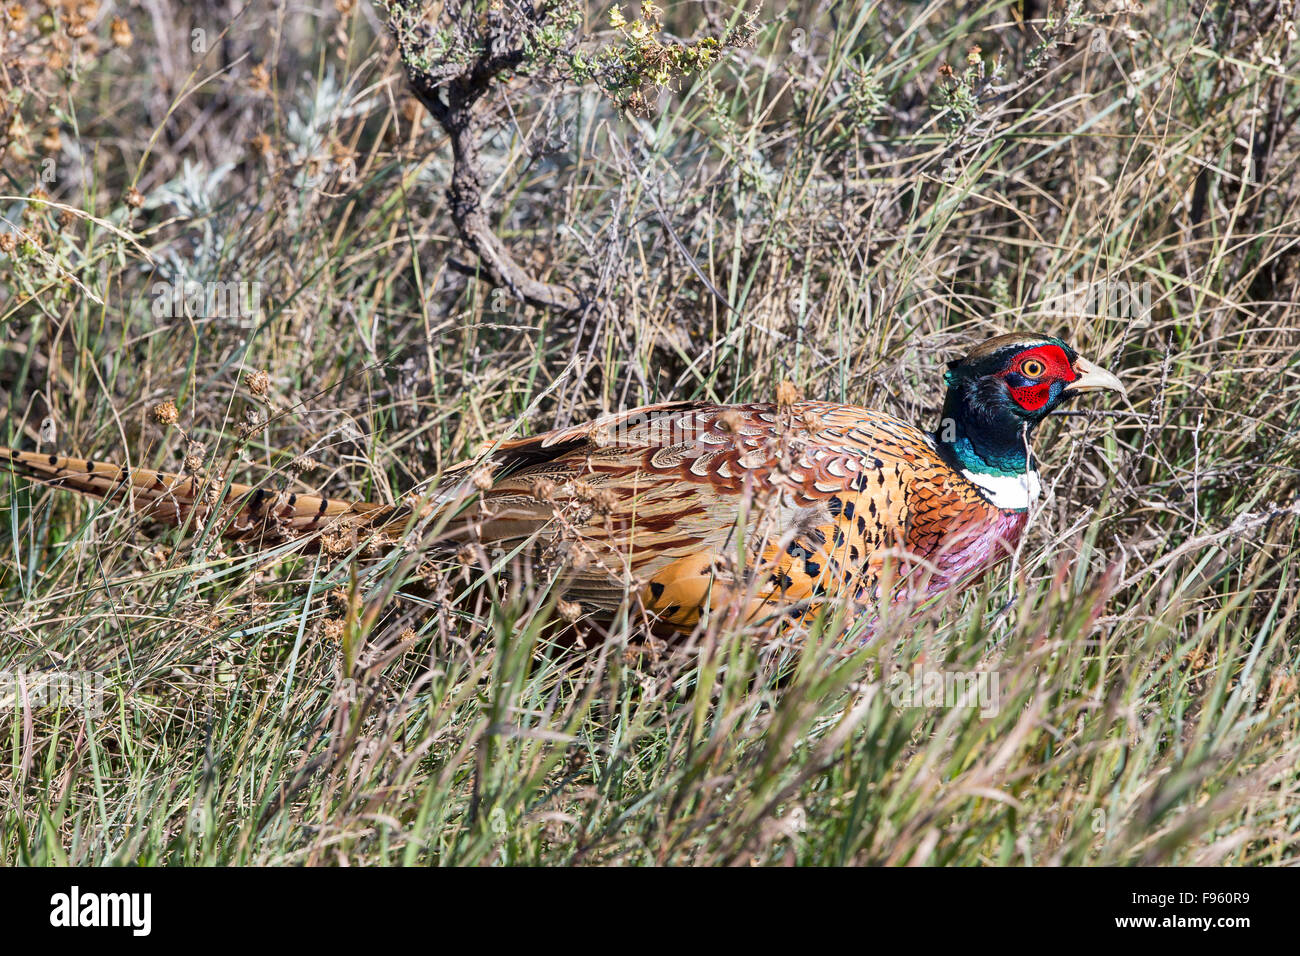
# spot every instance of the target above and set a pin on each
(831, 206)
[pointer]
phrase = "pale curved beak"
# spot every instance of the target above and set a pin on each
(1091, 378)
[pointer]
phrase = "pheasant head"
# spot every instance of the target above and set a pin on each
(996, 396)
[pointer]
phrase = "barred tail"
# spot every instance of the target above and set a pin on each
(247, 512)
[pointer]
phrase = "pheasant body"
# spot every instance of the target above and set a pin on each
(695, 509)
(752, 507)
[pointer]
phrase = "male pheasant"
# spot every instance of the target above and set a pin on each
(693, 508)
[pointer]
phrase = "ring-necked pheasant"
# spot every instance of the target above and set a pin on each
(755, 508)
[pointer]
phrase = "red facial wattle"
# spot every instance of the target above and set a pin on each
(1031, 376)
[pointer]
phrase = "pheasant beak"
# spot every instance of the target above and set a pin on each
(1091, 378)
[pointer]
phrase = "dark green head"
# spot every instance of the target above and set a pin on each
(1000, 391)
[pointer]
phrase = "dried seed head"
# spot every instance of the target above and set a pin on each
(134, 198)
(341, 154)
(165, 413)
(252, 424)
(786, 394)
(602, 501)
(569, 610)
(121, 33)
(543, 489)
(338, 539)
(730, 421)
(194, 453)
(482, 478)
(259, 383)
(259, 80)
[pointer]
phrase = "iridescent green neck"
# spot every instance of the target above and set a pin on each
(982, 438)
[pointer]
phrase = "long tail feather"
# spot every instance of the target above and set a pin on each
(247, 512)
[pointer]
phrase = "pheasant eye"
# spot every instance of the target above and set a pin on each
(1032, 368)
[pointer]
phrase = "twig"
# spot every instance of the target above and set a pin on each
(454, 92)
